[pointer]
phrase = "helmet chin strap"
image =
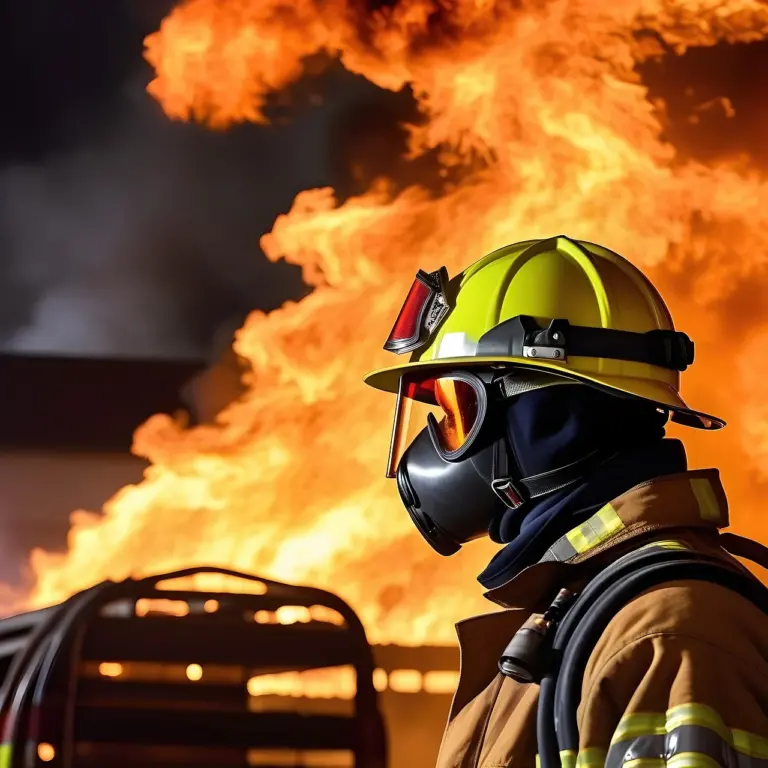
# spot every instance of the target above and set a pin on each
(518, 493)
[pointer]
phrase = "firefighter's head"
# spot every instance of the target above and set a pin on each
(525, 371)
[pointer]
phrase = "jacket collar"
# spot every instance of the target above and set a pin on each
(693, 499)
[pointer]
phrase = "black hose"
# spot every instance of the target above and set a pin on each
(22, 659)
(75, 608)
(607, 579)
(22, 673)
(597, 618)
(548, 734)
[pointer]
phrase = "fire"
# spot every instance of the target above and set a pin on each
(314, 683)
(541, 103)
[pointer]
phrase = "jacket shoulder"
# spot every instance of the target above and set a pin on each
(689, 649)
(683, 614)
(697, 609)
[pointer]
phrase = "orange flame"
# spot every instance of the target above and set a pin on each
(290, 483)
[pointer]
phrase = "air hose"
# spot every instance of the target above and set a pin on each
(589, 616)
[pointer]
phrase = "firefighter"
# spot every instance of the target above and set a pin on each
(542, 379)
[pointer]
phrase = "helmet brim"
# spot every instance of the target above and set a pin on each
(655, 392)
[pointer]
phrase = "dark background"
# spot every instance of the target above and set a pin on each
(129, 246)
(123, 233)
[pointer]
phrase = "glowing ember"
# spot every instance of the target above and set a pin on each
(110, 669)
(440, 681)
(46, 752)
(338, 682)
(290, 483)
(145, 607)
(406, 680)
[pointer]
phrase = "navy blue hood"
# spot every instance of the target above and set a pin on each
(554, 426)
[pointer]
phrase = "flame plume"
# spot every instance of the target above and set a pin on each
(546, 96)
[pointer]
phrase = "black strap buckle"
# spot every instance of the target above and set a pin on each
(670, 349)
(501, 482)
(522, 336)
(507, 491)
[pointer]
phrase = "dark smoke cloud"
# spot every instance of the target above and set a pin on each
(122, 232)
(145, 241)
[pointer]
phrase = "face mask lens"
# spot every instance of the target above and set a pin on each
(460, 408)
(414, 403)
(454, 405)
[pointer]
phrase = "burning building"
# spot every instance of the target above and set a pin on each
(536, 119)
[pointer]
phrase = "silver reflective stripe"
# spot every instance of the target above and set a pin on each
(692, 740)
(560, 551)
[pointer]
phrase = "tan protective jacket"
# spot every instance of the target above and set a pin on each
(680, 676)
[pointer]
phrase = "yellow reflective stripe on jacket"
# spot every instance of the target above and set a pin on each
(686, 736)
(709, 509)
(701, 715)
(750, 744)
(666, 545)
(632, 726)
(601, 526)
(593, 757)
(646, 762)
(692, 760)
(6, 753)
(681, 760)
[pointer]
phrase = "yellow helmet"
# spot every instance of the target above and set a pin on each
(566, 307)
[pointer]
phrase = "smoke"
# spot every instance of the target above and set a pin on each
(144, 242)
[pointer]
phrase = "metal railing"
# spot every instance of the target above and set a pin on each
(96, 682)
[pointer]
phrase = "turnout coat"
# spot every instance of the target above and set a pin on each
(679, 677)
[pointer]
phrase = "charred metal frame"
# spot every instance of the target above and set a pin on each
(44, 697)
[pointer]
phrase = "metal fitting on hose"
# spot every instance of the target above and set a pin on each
(526, 657)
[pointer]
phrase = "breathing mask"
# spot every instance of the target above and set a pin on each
(457, 475)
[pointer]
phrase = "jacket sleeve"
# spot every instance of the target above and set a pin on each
(679, 678)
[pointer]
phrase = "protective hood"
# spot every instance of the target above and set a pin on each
(555, 426)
